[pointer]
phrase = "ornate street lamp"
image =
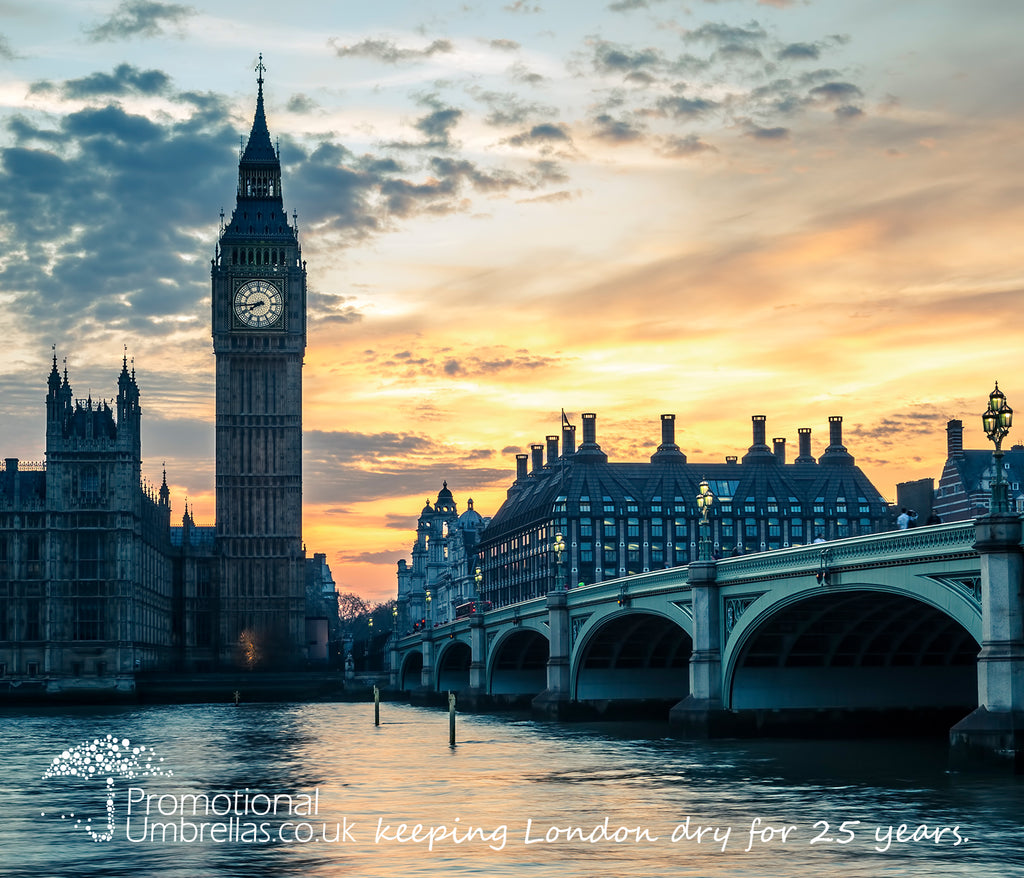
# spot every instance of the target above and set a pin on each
(478, 578)
(558, 547)
(430, 618)
(394, 618)
(997, 420)
(704, 500)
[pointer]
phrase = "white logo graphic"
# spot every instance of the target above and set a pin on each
(107, 758)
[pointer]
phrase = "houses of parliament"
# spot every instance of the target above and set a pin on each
(96, 584)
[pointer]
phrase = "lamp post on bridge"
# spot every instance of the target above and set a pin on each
(477, 644)
(700, 714)
(556, 696)
(997, 420)
(994, 733)
(558, 547)
(704, 500)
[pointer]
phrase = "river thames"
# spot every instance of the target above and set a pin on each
(318, 790)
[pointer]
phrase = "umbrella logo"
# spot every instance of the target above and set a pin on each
(109, 758)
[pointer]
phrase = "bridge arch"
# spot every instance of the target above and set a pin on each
(454, 657)
(411, 671)
(517, 664)
(632, 654)
(862, 646)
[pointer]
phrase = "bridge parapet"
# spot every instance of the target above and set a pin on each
(918, 544)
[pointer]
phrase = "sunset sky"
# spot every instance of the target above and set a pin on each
(795, 208)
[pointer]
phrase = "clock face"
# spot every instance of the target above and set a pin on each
(258, 303)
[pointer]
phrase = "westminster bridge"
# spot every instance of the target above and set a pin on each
(925, 622)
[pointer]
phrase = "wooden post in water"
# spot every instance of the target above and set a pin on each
(376, 706)
(451, 719)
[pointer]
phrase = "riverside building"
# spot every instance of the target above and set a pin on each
(619, 519)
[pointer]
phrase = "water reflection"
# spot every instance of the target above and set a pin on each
(552, 798)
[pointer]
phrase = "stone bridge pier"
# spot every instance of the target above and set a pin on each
(994, 733)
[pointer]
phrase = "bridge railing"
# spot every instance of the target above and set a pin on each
(919, 543)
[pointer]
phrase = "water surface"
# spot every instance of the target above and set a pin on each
(514, 797)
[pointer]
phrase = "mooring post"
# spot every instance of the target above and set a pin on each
(451, 719)
(376, 706)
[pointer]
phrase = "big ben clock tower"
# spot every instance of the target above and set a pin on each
(259, 337)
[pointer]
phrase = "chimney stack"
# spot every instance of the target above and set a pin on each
(779, 445)
(804, 445)
(835, 431)
(537, 454)
(836, 451)
(568, 440)
(552, 449)
(590, 449)
(668, 430)
(589, 429)
(521, 466)
(955, 439)
(759, 430)
(759, 450)
(668, 445)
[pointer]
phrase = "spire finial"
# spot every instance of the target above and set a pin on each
(260, 70)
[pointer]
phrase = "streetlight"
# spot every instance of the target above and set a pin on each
(558, 547)
(704, 500)
(394, 618)
(997, 420)
(429, 616)
(478, 578)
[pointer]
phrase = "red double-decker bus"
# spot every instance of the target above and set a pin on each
(471, 607)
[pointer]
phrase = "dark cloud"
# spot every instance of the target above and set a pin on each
(680, 147)
(144, 18)
(360, 467)
(100, 209)
(524, 6)
(612, 58)
(505, 45)
(392, 557)
(472, 364)
(301, 103)
(388, 51)
(508, 108)
(628, 5)
(799, 52)
(847, 112)
(465, 171)
(726, 36)
(616, 130)
(521, 73)
(395, 521)
(6, 52)
(325, 309)
(836, 92)
(543, 134)
(767, 134)
(685, 108)
(436, 126)
(547, 171)
(334, 187)
(124, 80)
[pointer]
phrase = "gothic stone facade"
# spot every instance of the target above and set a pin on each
(95, 584)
